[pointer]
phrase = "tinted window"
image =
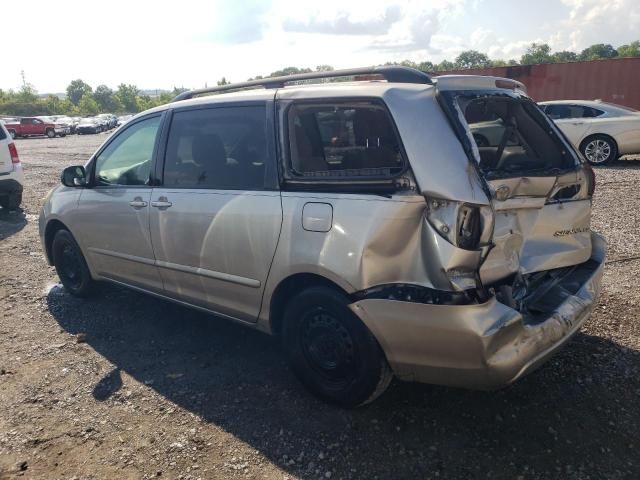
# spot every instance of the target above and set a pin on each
(336, 140)
(2, 134)
(217, 148)
(127, 159)
(561, 111)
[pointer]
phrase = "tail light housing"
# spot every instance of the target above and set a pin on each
(591, 178)
(13, 151)
(463, 225)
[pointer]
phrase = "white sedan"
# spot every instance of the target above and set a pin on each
(601, 131)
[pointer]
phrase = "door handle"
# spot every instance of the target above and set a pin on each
(162, 202)
(138, 203)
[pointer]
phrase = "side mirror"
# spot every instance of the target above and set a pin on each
(74, 177)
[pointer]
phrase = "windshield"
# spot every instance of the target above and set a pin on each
(87, 121)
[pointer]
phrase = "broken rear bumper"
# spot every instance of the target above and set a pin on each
(484, 345)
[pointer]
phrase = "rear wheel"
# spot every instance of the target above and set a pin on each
(71, 265)
(51, 133)
(331, 351)
(599, 150)
(11, 201)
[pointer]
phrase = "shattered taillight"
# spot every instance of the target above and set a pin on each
(591, 178)
(461, 224)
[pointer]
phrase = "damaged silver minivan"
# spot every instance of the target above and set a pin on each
(436, 229)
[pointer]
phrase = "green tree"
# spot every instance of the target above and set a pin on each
(53, 104)
(599, 50)
(27, 94)
(144, 102)
(163, 98)
(178, 90)
(66, 107)
(536, 53)
(426, 67)
(564, 56)
(77, 89)
(630, 50)
(127, 95)
(289, 71)
(445, 65)
(472, 59)
(87, 105)
(223, 81)
(324, 68)
(106, 99)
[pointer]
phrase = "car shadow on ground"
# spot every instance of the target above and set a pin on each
(11, 221)
(624, 164)
(563, 421)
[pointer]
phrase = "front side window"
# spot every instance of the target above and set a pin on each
(217, 148)
(336, 140)
(127, 159)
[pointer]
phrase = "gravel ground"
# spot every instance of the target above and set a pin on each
(127, 386)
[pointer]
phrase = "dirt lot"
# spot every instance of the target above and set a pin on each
(127, 386)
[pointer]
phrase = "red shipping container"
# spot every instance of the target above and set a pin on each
(615, 80)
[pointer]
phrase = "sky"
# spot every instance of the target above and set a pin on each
(190, 43)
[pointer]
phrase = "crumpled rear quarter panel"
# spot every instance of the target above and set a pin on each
(478, 346)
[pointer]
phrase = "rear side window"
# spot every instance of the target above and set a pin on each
(3, 135)
(355, 139)
(217, 148)
(560, 111)
(512, 135)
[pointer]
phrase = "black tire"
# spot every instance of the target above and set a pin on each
(481, 140)
(599, 150)
(331, 351)
(13, 134)
(11, 201)
(51, 133)
(70, 265)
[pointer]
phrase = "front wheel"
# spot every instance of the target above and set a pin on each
(331, 351)
(70, 264)
(599, 150)
(13, 134)
(51, 133)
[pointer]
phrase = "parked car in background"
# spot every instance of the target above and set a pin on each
(89, 125)
(467, 266)
(11, 176)
(66, 122)
(109, 120)
(601, 131)
(122, 119)
(32, 126)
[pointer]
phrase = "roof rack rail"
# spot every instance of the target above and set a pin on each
(387, 72)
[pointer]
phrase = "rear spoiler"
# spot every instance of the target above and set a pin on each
(477, 82)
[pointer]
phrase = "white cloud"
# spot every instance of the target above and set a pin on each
(194, 42)
(594, 21)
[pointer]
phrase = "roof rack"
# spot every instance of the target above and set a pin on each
(395, 74)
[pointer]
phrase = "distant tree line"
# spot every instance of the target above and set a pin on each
(81, 99)
(535, 53)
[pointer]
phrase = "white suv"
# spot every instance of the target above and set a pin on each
(11, 176)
